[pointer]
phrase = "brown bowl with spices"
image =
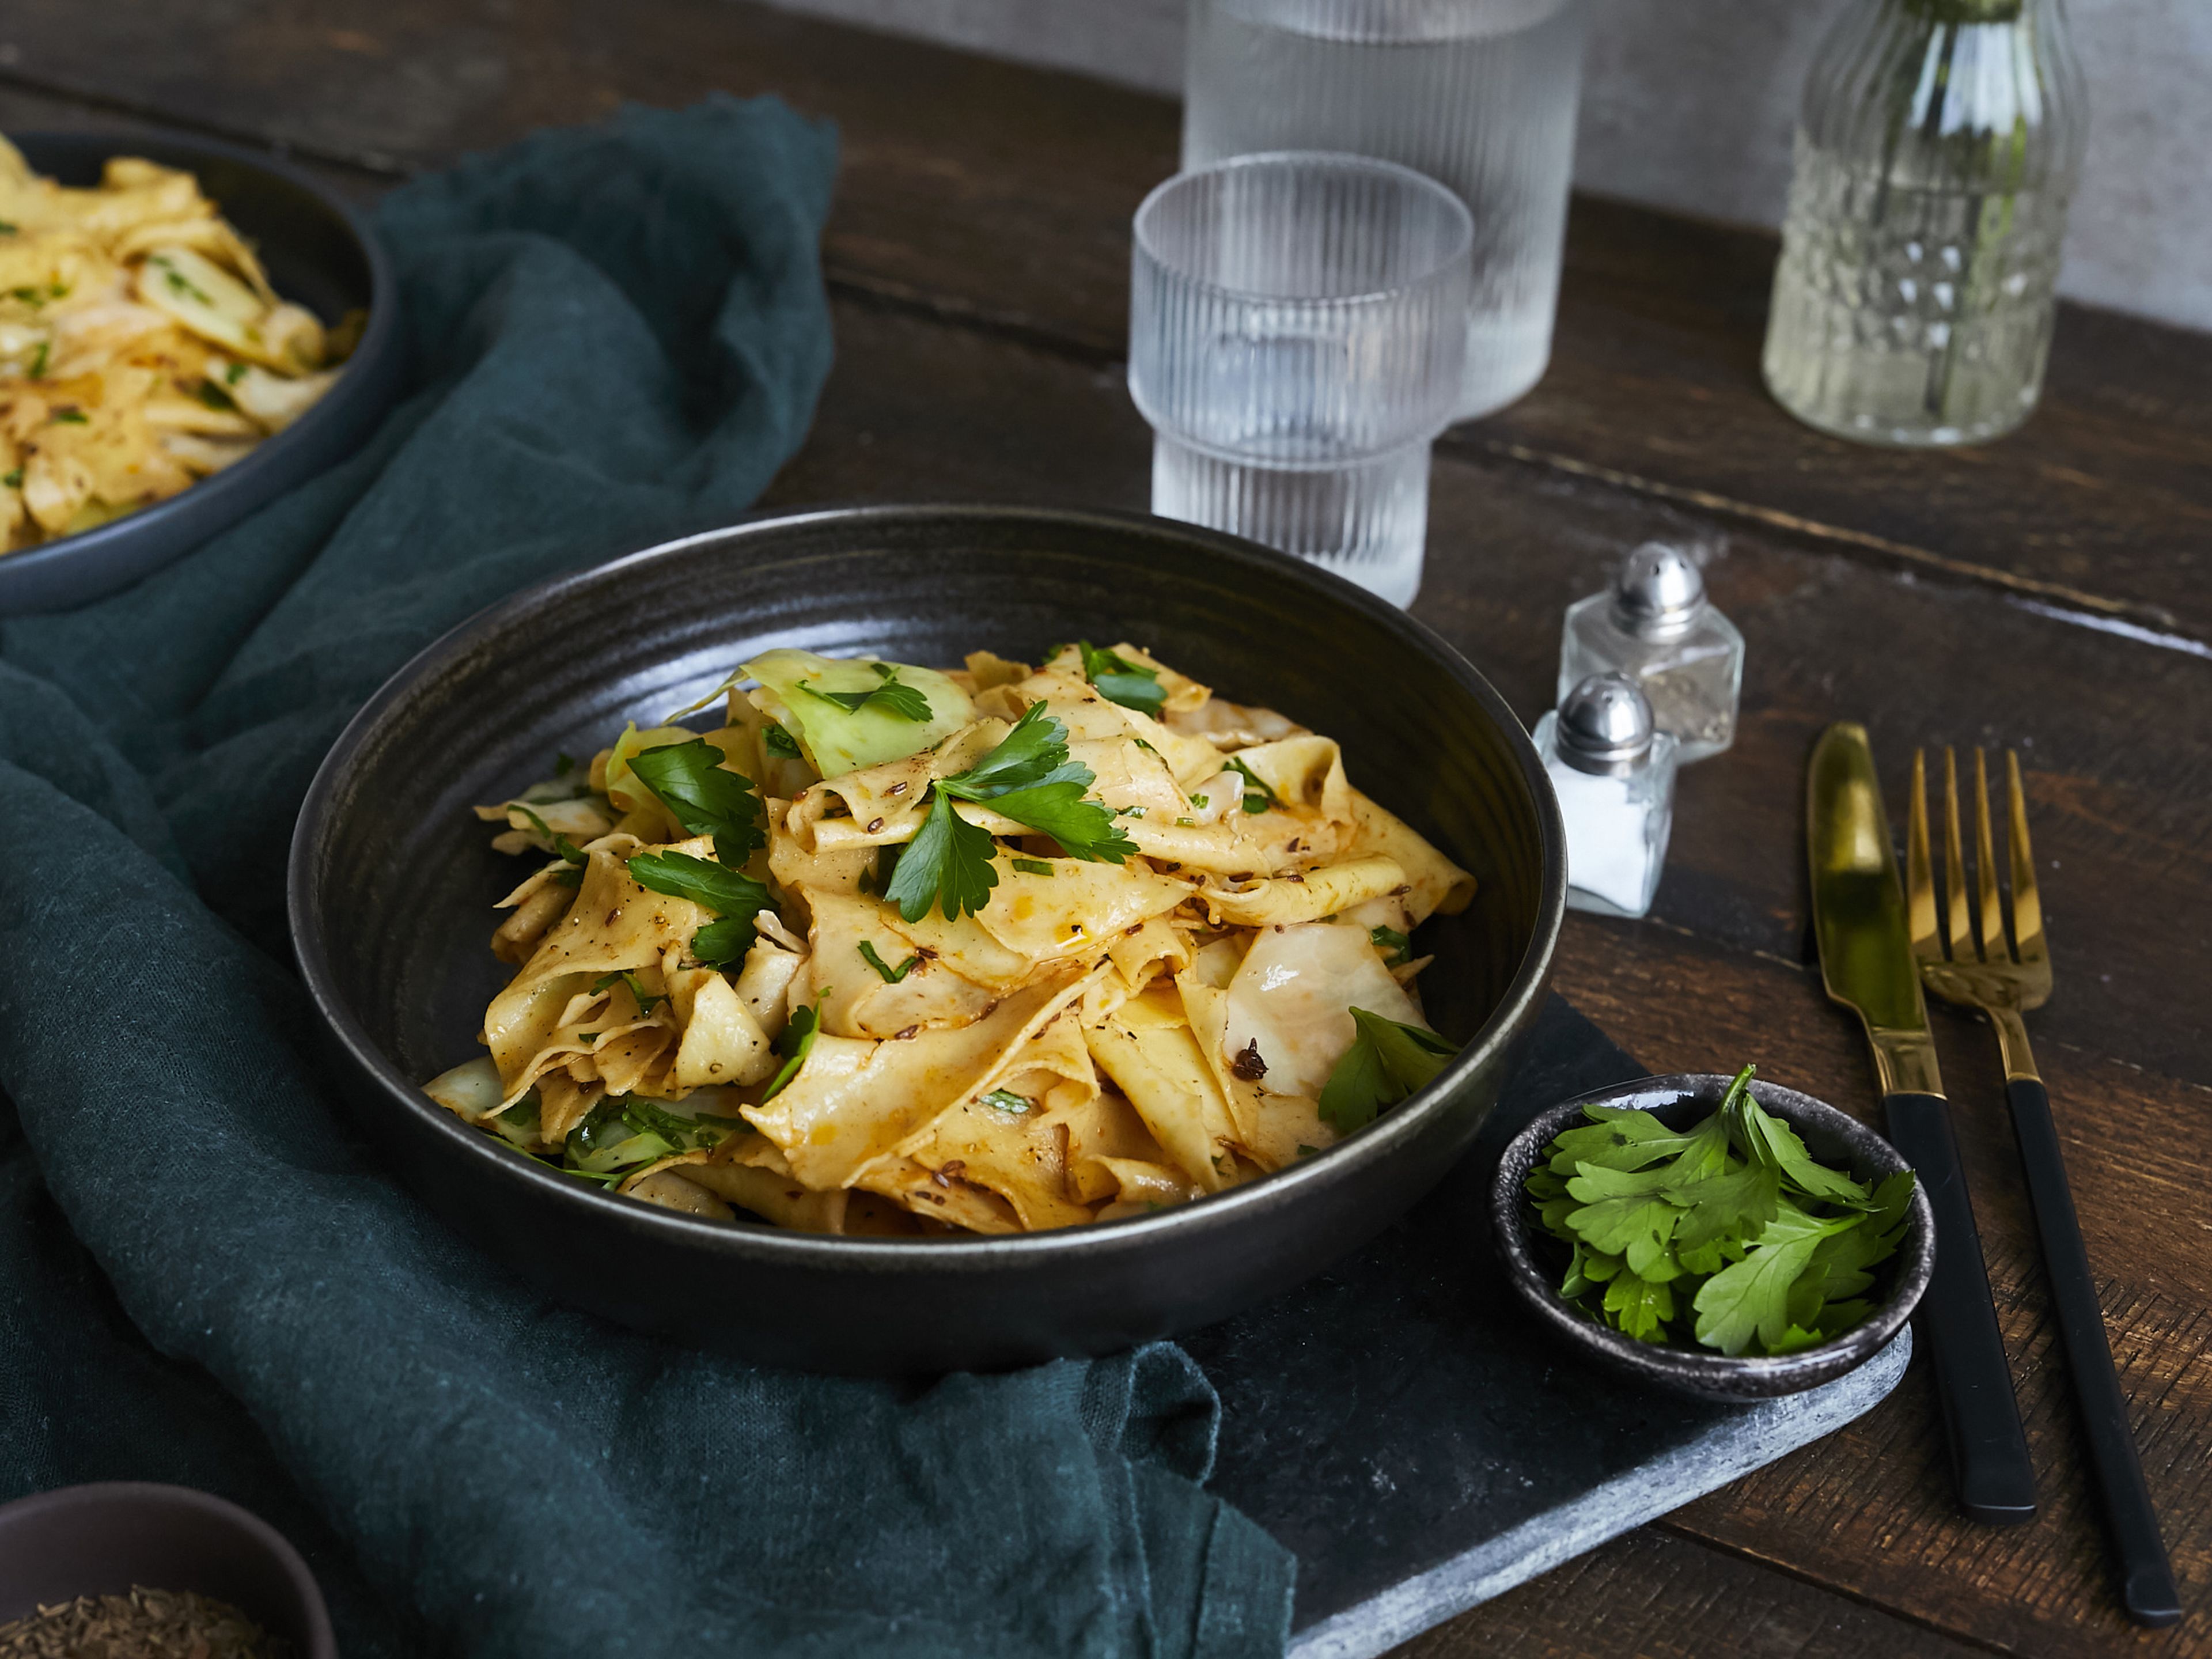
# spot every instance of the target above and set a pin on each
(152, 1570)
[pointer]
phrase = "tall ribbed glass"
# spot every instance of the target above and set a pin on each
(1296, 341)
(1937, 149)
(1480, 94)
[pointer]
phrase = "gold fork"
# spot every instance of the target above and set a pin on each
(1971, 962)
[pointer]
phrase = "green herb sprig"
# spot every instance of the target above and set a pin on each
(1730, 1229)
(795, 1042)
(704, 796)
(735, 898)
(1028, 778)
(890, 975)
(1119, 680)
(891, 697)
(1386, 1062)
(1258, 798)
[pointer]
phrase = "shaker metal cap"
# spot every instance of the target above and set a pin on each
(1658, 589)
(1605, 724)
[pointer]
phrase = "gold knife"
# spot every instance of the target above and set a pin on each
(1865, 961)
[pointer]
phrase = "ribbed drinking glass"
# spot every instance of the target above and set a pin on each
(1297, 337)
(1479, 93)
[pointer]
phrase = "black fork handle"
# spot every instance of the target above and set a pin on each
(1958, 1321)
(2146, 1587)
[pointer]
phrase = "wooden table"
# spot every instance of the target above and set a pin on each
(2053, 592)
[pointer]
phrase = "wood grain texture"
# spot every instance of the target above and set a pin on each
(978, 249)
(981, 190)
(1663, 1596)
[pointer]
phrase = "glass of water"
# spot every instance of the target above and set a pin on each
(1480, 94)
(1298, 335)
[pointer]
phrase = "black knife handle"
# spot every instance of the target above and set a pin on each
(2146, 1584)
(1958, 1320)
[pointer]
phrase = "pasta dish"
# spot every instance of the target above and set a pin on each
(141, 347)
(1004, 948)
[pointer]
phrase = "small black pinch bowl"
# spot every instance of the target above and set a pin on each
(392, 882)
(101, 1539)
(319, 253)
(1535, 1260)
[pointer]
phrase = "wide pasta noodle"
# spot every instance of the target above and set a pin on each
(727, 1000)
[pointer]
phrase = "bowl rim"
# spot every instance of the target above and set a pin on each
(1516, 1007)
(208, 496)
(1516, 1239)
(142, 1496)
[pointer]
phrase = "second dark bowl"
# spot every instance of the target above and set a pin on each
(319, 254)
(1835, 1138)
(392, 882)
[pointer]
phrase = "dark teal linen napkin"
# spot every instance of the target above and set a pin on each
(618, 334)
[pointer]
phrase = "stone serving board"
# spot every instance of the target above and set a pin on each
(1422, 1444)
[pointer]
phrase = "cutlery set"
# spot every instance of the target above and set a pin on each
(1880, 943)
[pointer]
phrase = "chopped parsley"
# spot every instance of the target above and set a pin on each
(39, 360)
(69, 417)
(1398, 949)
(1028, 778)
(904, 702)
(796, 1042)
(233, 373)
(563, 764)
(1119, 680)
(780, 743)
(1386, 1062)
(1032, 867)
(568, 849)
(216, 397)
(891, 976)
(704, 796)
(645, 998)
(624, 1133)
(1005, 1100)
(1258, 798)
(179, 283)
(7, 227)
(733, 897)
(13, 480)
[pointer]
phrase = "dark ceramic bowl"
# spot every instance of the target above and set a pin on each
(392, 882)
(320, 255)
(101, 1539)
(1536, 1260)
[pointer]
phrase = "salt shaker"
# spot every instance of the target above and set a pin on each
(1656, 625)
(1613, 772)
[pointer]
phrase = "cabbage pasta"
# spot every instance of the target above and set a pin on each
(141, 346)
(895, 950)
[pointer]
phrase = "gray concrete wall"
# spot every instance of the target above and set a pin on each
(1687, 104)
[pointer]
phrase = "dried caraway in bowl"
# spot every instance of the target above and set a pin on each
(147, 1624)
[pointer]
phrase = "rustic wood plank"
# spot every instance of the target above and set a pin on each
(1663, 1596)
(979, 189)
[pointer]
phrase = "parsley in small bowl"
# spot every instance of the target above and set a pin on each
(1724, 1239)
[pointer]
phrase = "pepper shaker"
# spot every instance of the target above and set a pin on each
(1656, 625)
(1613, 772)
